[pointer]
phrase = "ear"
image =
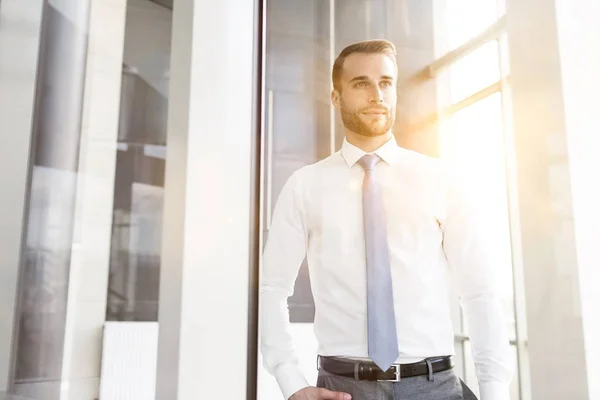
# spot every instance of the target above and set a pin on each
(335, 98)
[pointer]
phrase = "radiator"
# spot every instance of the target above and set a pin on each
(129, 356)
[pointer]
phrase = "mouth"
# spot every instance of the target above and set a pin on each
(375, 112)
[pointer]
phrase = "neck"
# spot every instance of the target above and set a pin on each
(368, 144)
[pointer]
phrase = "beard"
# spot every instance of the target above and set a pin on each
(353, 122)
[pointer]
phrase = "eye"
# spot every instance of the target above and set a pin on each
(387, 83)
(361, 85)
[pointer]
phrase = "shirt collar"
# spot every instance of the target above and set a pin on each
(388, 152)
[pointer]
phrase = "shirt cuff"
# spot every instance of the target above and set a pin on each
(494, 391)
(290, 379)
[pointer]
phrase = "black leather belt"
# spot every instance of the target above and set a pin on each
(366, 370)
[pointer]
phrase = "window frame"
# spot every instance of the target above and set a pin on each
(438, 70)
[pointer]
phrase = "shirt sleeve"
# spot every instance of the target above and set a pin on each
(283, 254)
(475, 271)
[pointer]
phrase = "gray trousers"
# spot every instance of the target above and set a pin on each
(446, 385)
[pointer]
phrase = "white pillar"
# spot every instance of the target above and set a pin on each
(579, 44)
(90, 257)
(554, 61)
(203, 310)
(20, 22)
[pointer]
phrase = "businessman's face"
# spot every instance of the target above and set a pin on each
(367, 101)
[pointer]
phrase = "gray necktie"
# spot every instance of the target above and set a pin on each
(383, 341)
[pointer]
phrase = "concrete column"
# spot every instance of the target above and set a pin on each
(204, 282)
(554, 59)
(20, 24)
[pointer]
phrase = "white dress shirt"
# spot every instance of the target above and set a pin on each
(434, 235)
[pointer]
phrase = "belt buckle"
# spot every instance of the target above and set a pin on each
(397, 376)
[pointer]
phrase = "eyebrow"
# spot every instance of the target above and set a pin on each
(366, 78)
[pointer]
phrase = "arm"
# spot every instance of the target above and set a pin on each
(283, 254)
(471, 259)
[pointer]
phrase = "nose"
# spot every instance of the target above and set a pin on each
(376, 96)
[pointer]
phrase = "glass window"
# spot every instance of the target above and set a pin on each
(140, 164)
(465, 19)
(515, 384)
(501, 7)
(504, 55)
(476, 71)
(302, 40)
(99, 143)
(138, 197)
(473, 138)
(473, 143)
(50, 228)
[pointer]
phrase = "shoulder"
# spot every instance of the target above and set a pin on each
(425, 166)
(442, 176)
(310, 172)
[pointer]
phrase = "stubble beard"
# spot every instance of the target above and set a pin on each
(354, 123)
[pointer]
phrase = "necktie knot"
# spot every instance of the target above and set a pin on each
(369, 162)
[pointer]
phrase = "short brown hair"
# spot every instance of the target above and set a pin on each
(366, 46)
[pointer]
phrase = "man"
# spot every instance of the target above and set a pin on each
(384, 229)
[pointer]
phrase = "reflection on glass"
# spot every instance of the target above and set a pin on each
(46, 259)
(138, 200)
(45, 275)
(140, 167)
